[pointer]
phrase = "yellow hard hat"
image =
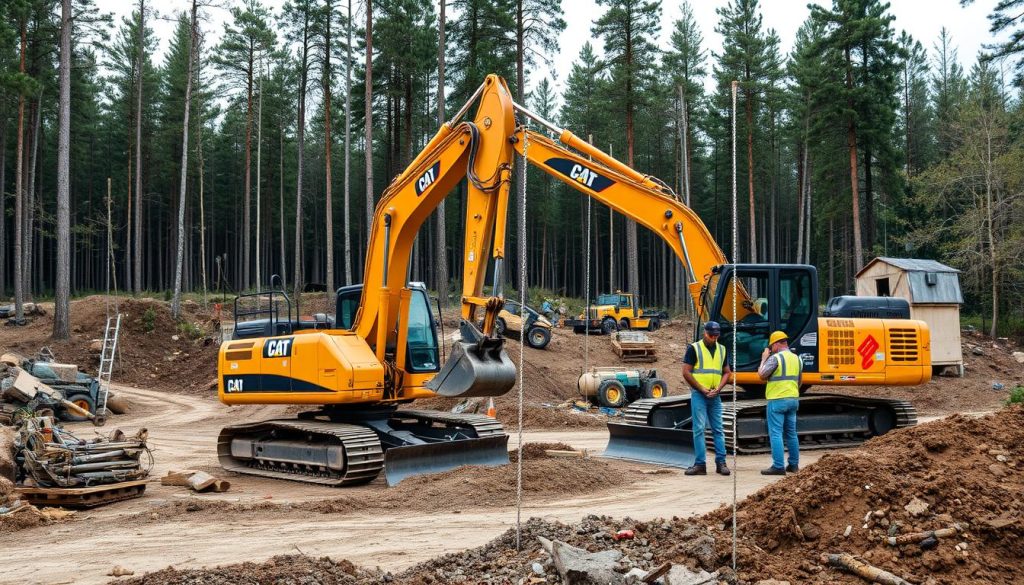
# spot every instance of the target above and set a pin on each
(777, 337)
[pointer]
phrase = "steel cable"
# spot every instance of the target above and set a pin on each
(522, 348)
(735, 277)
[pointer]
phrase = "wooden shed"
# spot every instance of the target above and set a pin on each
(933, 291)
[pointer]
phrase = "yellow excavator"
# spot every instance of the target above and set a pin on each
(382, 349)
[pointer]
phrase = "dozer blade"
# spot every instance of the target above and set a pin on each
(657, 445)
(477, 366)
(403, 462)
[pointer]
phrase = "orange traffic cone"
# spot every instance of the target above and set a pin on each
(491, 410)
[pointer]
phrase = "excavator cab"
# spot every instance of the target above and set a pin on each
(773, 297)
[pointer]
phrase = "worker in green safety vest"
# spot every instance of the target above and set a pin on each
(782, 369)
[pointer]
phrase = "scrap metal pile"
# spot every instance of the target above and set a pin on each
(50, 456)
(42, 387)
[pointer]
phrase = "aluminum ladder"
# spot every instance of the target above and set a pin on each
(110, 337)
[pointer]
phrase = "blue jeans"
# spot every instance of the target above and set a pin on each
(703, 410)
(782, 425)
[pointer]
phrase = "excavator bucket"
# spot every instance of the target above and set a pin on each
(477, 366)
(647, 444)
(403, 462)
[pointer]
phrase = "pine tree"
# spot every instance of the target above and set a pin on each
(745, 57)
(246, 40)
(628, 29)
(298, 16)
(62, 301)
(684, 63)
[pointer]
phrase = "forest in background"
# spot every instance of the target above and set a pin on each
(263, 153)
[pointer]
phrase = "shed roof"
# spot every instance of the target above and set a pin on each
(911, 265)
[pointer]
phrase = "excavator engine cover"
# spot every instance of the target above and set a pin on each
(477, 366)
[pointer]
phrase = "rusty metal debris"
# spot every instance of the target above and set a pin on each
(50, 456)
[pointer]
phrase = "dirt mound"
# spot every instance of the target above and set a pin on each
(544, 478)
(533, 451)
(280, 570)
(957, 471)
(466, 487)
(154, 350)
(6, 454)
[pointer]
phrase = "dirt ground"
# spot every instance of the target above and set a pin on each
(406, 530)
(153, 350)
(912, 480)
(372, 525)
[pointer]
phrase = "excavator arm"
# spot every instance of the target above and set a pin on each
(639, 197)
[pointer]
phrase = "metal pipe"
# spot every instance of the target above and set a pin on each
(387, 247)
(462, 111)
(498, 287)
(97, 457)
(537, 118)
(686, 253)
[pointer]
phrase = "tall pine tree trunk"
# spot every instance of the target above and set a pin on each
(202, 205)
(62, 291)
(348, 146)
(246, 197)
(368, 117)
(300, 146)
(749, 107)
(30, 200)
(280, 178)
(180, 257)
(440, 246)
(328, 204)
(137, 268)
(259, 180)
(19, 196)
(851, 144)
(632, 253)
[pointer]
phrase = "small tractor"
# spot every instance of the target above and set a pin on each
(615, 312)
(616, 387)
(517, 319)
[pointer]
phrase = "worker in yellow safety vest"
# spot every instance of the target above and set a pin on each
(706, 369)
(782, 369)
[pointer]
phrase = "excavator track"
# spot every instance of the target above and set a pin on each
(354, 448)
(825, 421)
(660, 430)
(328, 453)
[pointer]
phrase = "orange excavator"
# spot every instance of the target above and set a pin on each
(382, 350)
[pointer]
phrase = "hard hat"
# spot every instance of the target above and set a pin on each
(777, 337)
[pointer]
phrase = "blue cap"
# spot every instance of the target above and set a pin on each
(712, 327)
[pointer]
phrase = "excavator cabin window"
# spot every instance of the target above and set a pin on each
(422, 343)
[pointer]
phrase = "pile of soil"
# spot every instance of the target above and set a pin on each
(544, 478)
(956, 471)
(961, 471)
(154, 350)
(280, 570)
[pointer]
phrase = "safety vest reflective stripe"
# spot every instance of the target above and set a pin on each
(709, 368)
(785, 380)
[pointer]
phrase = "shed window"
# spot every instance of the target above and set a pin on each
(931, 278)
(882, 287)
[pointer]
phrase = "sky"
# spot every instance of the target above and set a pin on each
(922, 19)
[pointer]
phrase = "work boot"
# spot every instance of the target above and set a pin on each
(722, 469)
(696, 469)
(792, 468)
(773, 471)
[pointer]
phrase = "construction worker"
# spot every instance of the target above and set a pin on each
(782, 369)
(706, 370)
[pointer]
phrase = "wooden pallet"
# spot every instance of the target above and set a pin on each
(88, 497)
(634, 349)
